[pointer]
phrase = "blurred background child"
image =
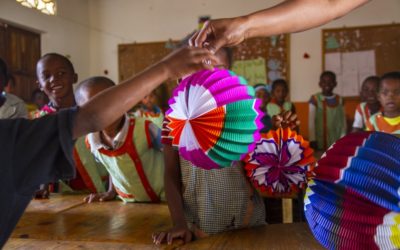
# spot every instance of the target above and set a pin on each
(388, 120)
(278, 103)
(11, 106)
(327, 121)
(149, 110)
(263, 94)
(39, 99)
(369, 103)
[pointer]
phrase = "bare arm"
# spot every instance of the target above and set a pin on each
(289, 16)
(173, 191)
(108, 106)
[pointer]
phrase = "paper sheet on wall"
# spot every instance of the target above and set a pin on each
(253, 70)
(351, 69)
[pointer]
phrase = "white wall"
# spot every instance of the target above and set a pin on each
(128, 21)
(67, 33)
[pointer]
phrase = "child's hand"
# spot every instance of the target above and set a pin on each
(107, 196)
(175, 233)
(188, 60)
(43, 192)
(286, 119)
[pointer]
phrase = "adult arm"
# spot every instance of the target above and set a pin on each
(286, 17)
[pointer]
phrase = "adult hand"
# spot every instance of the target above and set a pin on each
(188, 60)
(220, 33)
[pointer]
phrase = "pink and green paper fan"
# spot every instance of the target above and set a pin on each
(214, 118)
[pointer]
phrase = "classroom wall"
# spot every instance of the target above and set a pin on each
(305, 72)
(90, 30)
(67, 33)
(125, 21)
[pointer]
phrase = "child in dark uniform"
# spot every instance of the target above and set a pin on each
(39, 151)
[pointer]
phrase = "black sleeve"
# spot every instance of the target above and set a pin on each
(32, 152)
(43, 150)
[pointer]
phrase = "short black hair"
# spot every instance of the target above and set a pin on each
(329, 74)
(3, 73)
(96, 81)
(374, 79)
(394, 75)
(61, 57)
(279, 82)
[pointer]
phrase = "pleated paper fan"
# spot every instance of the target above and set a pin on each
(214, 118)
(353, 201)
(280, 164)
(375, 158)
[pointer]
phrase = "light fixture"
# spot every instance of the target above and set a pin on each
(45, 6)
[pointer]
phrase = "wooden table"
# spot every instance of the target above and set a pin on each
(66, 222)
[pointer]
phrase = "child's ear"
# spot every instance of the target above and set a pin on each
(39, 85)
(75, 78)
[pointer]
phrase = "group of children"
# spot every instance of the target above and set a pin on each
(378, 111)
(132, 160)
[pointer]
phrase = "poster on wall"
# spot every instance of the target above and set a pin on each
(351, 69)
(254, 71)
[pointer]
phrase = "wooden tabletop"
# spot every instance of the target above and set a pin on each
(66, 222)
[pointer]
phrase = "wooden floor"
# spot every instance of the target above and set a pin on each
(65, 222)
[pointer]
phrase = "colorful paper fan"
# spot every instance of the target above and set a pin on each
(280, 164)
(354, 200)
(214, 118)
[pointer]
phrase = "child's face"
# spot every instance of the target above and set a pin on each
(148, 101)
(327, 84)
(263, 95)
(55, 78)
(389, 96)
(280, 93)
(369, 92)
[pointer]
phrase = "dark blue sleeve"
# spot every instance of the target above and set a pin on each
(32, 152)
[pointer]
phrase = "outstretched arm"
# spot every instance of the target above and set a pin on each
(289, 16)
(109, 105)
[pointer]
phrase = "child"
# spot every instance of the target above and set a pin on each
(204, 202)
(388, 121)
(56, 76)
(130, 150)
(369, 105)
(263, 94)
(39, 99)
(24, 167)
(278, 103)
(150, 110)
(10, 105)
(327, 121)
